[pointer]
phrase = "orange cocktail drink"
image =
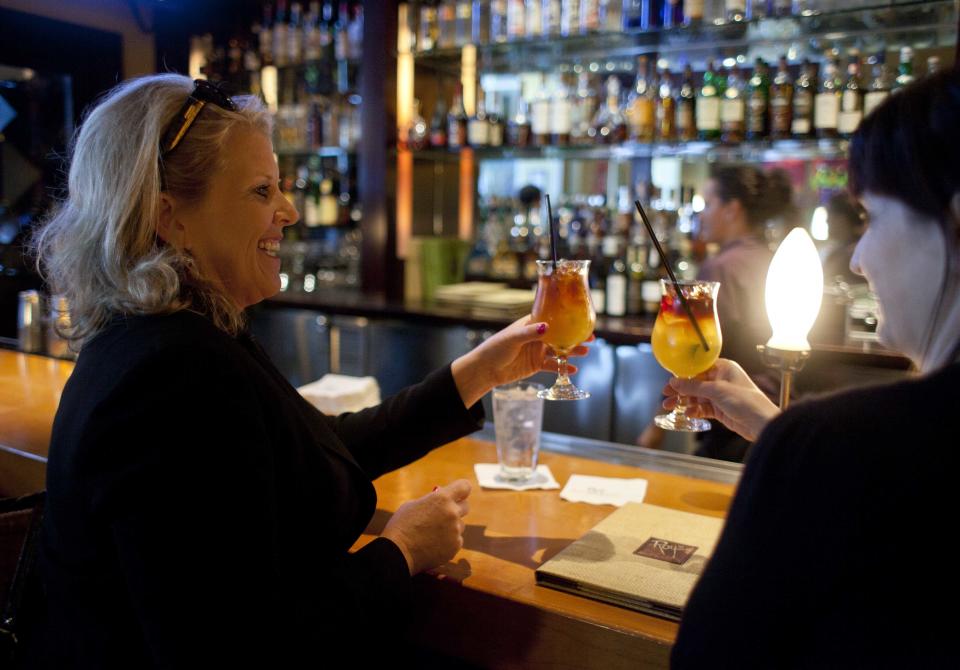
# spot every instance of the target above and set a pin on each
(563, 303)
(679, 348)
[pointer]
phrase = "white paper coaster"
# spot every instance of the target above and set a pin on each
(488, 476)
(604, 490)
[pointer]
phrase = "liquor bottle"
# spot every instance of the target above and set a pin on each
(666, 109)
(570, 17)
(498, 21)
(463, 30)
(636, 254)
(879, 85)
(266, 36)
(693, 12)
(447, 24)
(736, 10)
(616, 279)
(851, 100)
(550, 15)
(584, 110)
(589, 16)
(495, 133)
(609, 125)
(429, 29)
(560, 116)
(355, 34)
(438, 126)
(478, 128)
(672, 13)
(905, 78)
(803, 102)
(518, 127)
(419, 133)
(516, 24)
(733, 109)
(686, 107)
(280, 47)
(708, 106)
(540, 117)
(933, 65)
(827, 102)
(781, 102)
(457, 121)
(758, 103)
(533, 18)
(328, 205)
(311, 34)
(294, 44)
(641, 107)
(480, 22)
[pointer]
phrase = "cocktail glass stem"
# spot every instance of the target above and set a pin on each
(680, 409)
(562, 378)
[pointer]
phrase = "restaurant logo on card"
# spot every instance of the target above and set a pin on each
(665, 550)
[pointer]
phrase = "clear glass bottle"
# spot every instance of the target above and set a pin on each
(610, 126)
(879, 87)
(457, 121)
(540, 117)
(584, 110)
(851, 100)
(826, 112)
(478, 127)
(561, 116)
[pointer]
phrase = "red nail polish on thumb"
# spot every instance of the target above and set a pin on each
(541, 329)
(435, 489)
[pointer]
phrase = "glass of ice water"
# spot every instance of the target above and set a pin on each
(517, 419)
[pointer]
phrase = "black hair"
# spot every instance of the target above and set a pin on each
(906, 148)
(845, 217)
(763, 195)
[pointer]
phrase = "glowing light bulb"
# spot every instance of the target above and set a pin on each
(794, 291)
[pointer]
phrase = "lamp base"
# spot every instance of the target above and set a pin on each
(787, 362)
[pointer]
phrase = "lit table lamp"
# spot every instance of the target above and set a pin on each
(793, 294)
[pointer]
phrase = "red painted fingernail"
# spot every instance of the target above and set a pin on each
(541, 329)
(435, 489)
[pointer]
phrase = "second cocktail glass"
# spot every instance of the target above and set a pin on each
(678, 348)
(563, 303)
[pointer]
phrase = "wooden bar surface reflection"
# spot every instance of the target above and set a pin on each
(30, 388)
(484, 606)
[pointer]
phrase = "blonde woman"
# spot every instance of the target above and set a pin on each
(200, 511)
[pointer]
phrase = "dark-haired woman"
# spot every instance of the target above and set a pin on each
(739, 201)
(835, 551)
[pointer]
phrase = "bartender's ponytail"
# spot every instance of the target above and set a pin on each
(763, 195)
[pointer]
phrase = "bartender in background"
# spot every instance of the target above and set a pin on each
(739, 202)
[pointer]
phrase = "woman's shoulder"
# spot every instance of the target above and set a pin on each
(865, 425)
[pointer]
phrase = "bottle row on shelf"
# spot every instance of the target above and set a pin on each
(322, 195)
(625, 267)
(726, 104)
(322, 33)
(449, 24)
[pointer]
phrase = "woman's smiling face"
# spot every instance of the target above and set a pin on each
(234, 232)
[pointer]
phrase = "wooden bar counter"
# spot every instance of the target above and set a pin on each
(485, 607)
(30, 388)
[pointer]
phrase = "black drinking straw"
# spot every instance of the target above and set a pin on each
(553, 233)
(673, 277)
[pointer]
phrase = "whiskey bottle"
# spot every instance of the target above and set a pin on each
(732, 109)
(641, 106)
(758, 103)
(851, 100)
(781, 102)
(666, 113)
(686, 107)
(803, 96)
(827, 103)
(708, 106)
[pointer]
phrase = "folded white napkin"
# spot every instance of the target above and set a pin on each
(335, 394)
(604, 490)
(487, 475)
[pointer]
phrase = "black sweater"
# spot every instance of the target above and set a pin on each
(200, 511)
(835, 552)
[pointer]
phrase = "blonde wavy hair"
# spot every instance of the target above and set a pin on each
(99, 247)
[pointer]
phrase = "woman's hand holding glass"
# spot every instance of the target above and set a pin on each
(725, 393)
(514, 353)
